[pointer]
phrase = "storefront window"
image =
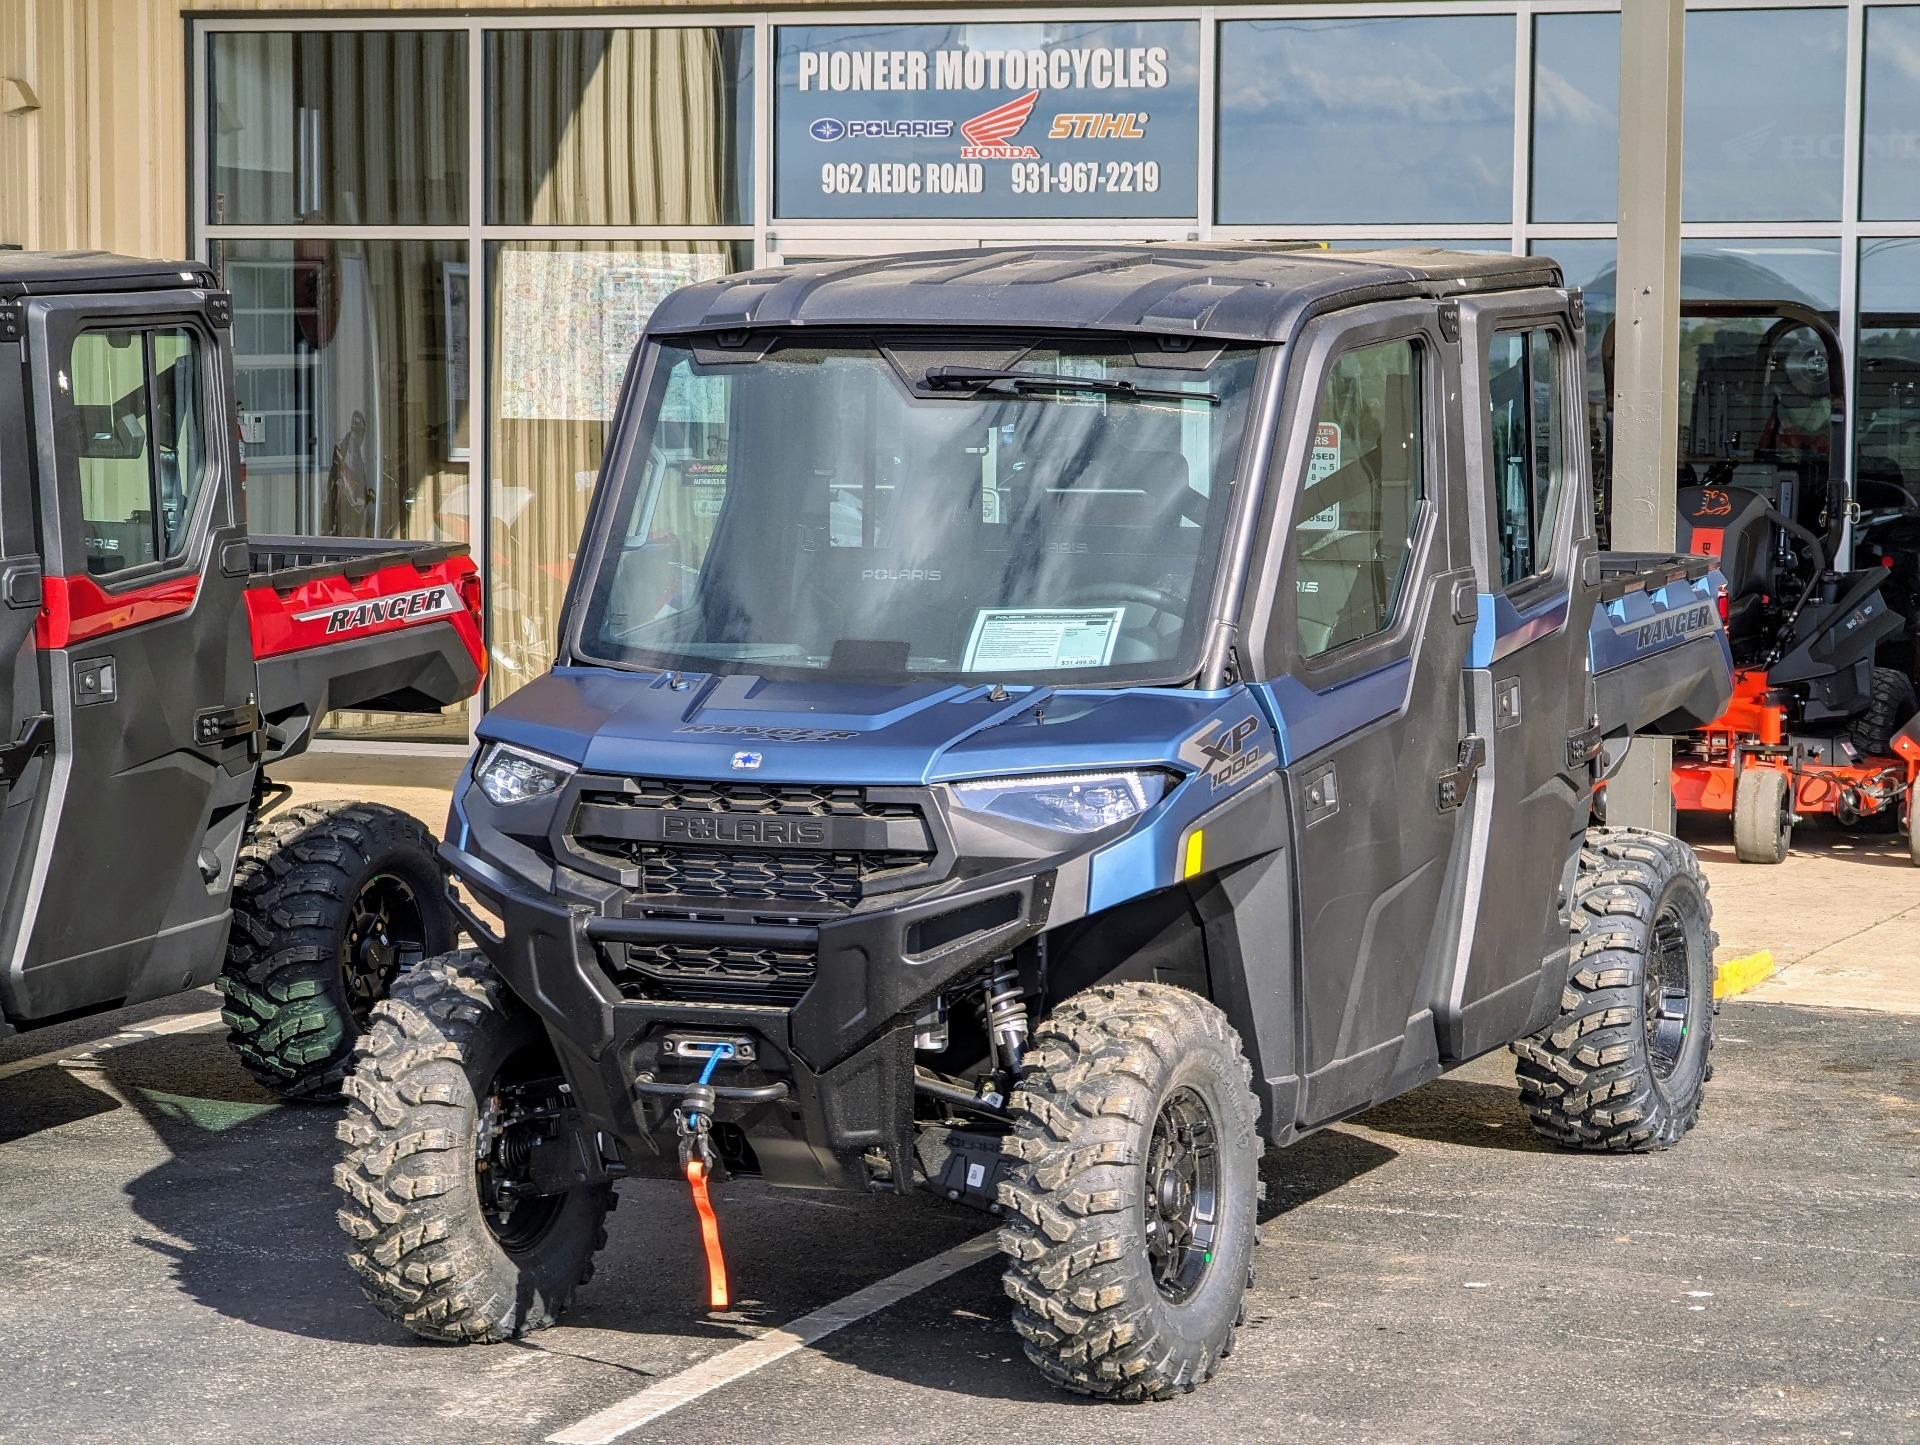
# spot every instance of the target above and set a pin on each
(566, 317)
(1765, 101)
(620, 127)
(350, 374)
(1806, 272)
(339, 128)
(1590, 265)
(1890, 144)
(1031, 121)
(1401, 121)
(1576, 117)
(1886, 426)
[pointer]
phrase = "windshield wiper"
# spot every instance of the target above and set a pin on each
(940, 378)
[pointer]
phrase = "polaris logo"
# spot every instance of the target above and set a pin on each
(900, 574)
(1669, 626)
(827, 128)
(699, 828)
(400, 607)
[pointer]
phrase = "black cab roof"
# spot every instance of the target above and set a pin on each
(1247, 291)
(53, 273)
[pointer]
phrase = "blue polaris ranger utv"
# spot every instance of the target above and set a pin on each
(1043, 726)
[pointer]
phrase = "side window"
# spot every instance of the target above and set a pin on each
(1361, 501)
(1529, 466)
(140, 443)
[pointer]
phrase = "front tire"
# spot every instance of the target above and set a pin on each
(449, 1062)
(1624, 1067)
(331, 901)
(1132, 1199)
(1762, 815)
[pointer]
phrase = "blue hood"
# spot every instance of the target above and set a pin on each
(840, 732)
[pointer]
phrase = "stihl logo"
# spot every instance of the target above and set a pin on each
(401, 607)
(987, 134)
(1130, 125)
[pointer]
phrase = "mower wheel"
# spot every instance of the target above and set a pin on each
(1624, 1067)
(1762, 815)
(445, 1103)
(1913, 847)
(1891, 705)
(331, 901)
(1132, 1194)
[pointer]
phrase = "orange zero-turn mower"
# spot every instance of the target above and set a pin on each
(1814, 726)
(1821, 718)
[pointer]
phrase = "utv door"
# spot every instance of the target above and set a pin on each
(26, 730)
(1529, 688)
(1363, 656)
(145, 652)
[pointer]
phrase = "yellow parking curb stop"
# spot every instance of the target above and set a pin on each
(1737, 975)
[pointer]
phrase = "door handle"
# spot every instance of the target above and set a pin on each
(1457, 779)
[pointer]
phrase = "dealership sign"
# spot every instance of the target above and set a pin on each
(987, 121)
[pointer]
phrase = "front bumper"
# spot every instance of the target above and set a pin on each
(842, 1055)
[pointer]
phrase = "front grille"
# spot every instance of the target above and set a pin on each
(703, 873)
(717, 973)
(805, 800)
(761, 879)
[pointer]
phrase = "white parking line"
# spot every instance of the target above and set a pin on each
(152, 1029)
(723, 1369)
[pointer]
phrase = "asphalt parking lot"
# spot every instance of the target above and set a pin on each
(1429, 1271)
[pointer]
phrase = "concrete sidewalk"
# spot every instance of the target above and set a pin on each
(1841, 916)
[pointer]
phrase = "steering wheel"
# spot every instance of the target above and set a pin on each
(1161, 601)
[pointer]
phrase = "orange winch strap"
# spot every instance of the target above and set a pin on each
(709, 1235)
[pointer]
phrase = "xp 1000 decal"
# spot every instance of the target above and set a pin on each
(1054, 119)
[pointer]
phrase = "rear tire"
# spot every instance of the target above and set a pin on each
(331, 901)
(1762, 815)
(1625, 1066)
(1132, 1199)
(435, 1249)
(1890, 706)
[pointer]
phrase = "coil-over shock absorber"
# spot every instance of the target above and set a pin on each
(1006, 1012)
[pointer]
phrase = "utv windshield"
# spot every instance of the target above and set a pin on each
(1031, 511)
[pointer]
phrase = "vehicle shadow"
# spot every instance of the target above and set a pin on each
(243, 1204)
(243, 1207)
(1457, 1111)
(46, 1098)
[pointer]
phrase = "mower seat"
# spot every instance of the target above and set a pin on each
(1733, 526)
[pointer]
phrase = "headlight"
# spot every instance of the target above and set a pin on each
(511, 775)
(1067, 802)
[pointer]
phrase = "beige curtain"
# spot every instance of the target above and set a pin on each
(616, 127)
(565, 318)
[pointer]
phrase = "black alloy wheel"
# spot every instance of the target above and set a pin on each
(512, 1120)
(1669, 1009)
(386, 933)
(1183, 1194)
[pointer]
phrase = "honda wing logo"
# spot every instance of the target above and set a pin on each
(987, 135)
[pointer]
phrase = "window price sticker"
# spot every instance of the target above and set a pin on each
(1041, 639)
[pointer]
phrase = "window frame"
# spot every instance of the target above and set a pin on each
(1482, 319)
(1557, 346)
(61, 326)
(1272, 630)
